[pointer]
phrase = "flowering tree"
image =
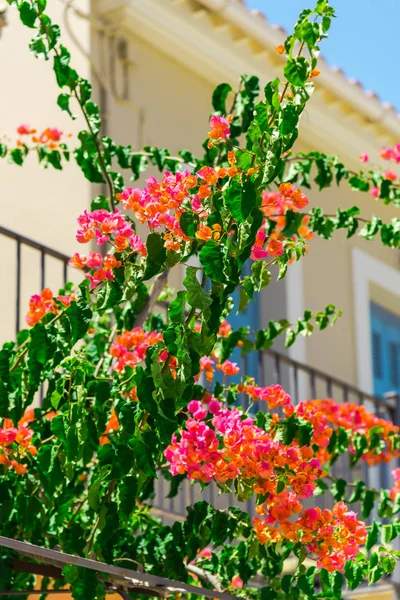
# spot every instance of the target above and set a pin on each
(130, 394)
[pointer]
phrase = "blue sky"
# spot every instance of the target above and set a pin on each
(363, 40)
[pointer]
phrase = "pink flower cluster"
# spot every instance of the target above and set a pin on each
(220, 129)
(39, 306)
(223, 444)
(104, 226)
(15, 443)
(130, 347)
(274, 395)
(102, 267)
(275, 206)
(229, 445)
(395, 491)
(153, 204)
(389, 174)
(326, 415)
(334, 536)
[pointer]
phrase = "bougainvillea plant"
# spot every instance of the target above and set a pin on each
(131, 393)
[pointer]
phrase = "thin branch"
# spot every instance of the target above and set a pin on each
(77, 511)
(97, 143)
(151, 301)
(205, 576)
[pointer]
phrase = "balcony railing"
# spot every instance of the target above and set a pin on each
(47, 267)
(14, 244)
(302, 382)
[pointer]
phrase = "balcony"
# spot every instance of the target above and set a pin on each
(38, 266)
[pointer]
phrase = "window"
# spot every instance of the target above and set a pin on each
(385, 331)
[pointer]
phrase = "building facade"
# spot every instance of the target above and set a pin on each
(154, 65)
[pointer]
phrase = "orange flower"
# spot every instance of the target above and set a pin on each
(204, 233)
(280, 49)
(315, 73)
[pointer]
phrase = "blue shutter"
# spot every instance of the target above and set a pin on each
(385, 331)
(250, 317)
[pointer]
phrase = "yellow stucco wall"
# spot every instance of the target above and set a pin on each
(40, 204)
(170, 105)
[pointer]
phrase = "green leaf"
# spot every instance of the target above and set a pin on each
(127, 493)
(338, 489)
(57, 427)
(244, 299)
(124, 154)
(219, 97)
(156, 255)
(273, 159)
(289, 120)
(388, 564)
(368, 503)
(196, 296)
(353, 573)
(139, 163)
(357, 491)
(109, 295)
(296, 71)
(100, 202)
(38, 47)
(260, 274)
(38, 346)
(280, 487)
(65, 76)
(212, 257)
(143, 458)
(337, 580)
(106, 454)
(373, 534)
(54, 159)
(27, 14)
(189, 223)
(94, 495)
(79, 315)
(292, 223)
(387, 533)
(63, 103)
(176, 308)
(93, 114)
(375, 574)
(17, 156)
(156, 249)
(271, 91)
(240, 199)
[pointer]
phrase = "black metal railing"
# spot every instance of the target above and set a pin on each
(43, 254)
(300, 380)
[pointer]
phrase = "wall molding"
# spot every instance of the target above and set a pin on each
(368, 269)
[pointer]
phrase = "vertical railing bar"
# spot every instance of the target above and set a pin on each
(345, 394)
(160, 491)
(65, 274)
(43, 269)
(18, 299)
(211, 494)
(43, 285)
(329, 387)
(312, 382)
(296, 385)
(182, 499)
(191, 494)
(260, 368)
(243, 370)
(277, 365)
